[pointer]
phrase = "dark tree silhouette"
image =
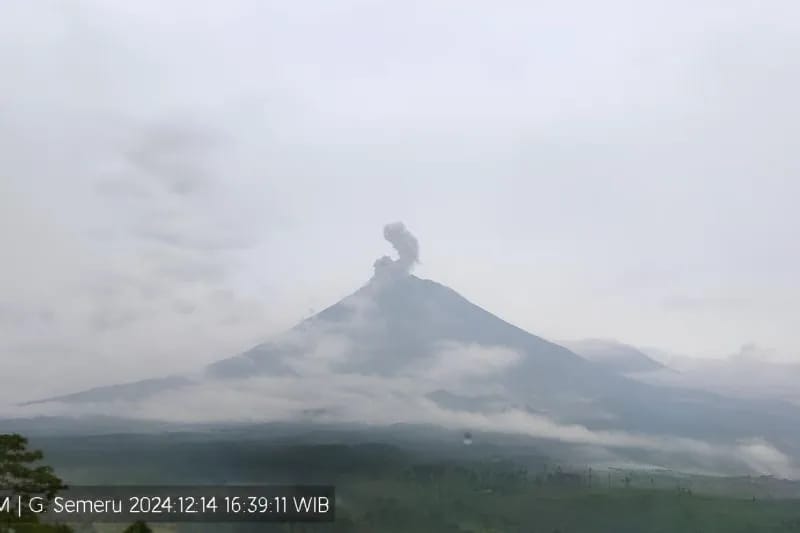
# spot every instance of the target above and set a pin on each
(138, 527)
(20, 472)
(21, 475)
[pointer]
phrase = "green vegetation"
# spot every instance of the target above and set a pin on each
(445, 499)
(452, 488)
(138, 527)
(22, 475)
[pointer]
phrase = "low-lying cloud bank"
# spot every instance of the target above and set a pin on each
(372, 400)
(750, 373)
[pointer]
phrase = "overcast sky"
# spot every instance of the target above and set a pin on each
(180, 180)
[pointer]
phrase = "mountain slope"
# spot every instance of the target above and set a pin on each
(615, 356)
(390, 325)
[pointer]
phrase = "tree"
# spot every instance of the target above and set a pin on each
(138, 527)
(21, 475)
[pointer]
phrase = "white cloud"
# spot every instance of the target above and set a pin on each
(373, 400)
(454, 362)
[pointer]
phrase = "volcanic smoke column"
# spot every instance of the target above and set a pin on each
(407, 251)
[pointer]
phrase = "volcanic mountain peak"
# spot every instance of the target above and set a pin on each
(390, 323)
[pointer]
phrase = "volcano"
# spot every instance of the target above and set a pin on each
(395, 326)
(413, 338)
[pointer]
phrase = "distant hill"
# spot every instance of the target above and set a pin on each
(613, 355)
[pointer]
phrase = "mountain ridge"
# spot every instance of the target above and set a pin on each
(616, 356)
